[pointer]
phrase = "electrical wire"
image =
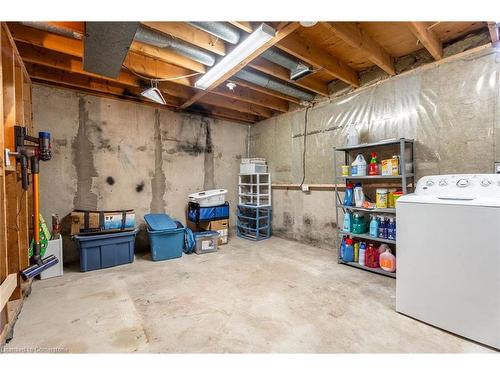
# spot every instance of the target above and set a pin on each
(304, 147)
(160, 79)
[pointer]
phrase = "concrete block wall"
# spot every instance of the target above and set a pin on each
(452, 110)
(113, 154)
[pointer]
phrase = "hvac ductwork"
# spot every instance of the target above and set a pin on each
(271, 84)
(161, 40)
(54, 29)
(297, 68)
(219, 29)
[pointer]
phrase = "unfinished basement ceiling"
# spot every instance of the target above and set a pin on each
(265, 86)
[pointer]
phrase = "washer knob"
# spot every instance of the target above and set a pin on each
(463, 182)
(485, 182)
(443, 182)
(429, 183)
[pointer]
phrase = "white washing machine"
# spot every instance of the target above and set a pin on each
(448, 255)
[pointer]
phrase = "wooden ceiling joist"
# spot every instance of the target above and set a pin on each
(428, 38)
(304, 50)
(190, 34)
(242, 25)
(280, 34)
(357, 38)
(254, 97)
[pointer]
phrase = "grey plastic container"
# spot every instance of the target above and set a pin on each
(206, 242)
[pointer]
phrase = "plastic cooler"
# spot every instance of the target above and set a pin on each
(105, 250)
(166, 236)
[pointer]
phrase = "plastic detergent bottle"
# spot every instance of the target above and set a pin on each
(348, 196)
(381, 227)
(342, 248)
(360, 163)
(359, 196)
(354, 167)
(371, 256)
(387, 261)
(348, 250)
(358, 223)
(391, 229)
(361, 257)
(352, 136)
(374, 226)
(373, 166)
(347, 227)
(385, 232)
(356, 251)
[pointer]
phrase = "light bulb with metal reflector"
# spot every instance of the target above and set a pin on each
(252, 43)
(154, 94)
(308, 23)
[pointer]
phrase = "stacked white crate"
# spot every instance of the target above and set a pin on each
(254, 184)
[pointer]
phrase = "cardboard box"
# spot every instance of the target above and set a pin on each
(220, 226)
(101, 221)
(390, 167)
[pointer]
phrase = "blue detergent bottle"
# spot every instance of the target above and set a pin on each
(381, 227)
(374, 226)
(342, 248)
(347, 227)
(391, 229)
(348, 250)
(349, 195)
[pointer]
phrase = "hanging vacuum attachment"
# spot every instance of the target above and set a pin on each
(32, 153)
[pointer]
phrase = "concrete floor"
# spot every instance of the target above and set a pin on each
(272, 296)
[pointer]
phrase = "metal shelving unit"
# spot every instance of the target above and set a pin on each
(406, 152)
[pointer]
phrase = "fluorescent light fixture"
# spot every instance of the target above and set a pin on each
(154, 94)
(251, 44)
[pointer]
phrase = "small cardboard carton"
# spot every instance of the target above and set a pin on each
(220, 226)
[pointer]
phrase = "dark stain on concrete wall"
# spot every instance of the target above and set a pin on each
(139, 187)
(83, 161)
(110, 180)
(208, 180)
(307, 220)
(158, 182)
(288, 219)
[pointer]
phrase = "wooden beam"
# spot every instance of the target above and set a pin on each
(357, 38)
(494, 33)
(7, 288)
(428, 38)
(230, 102)
(305, 50)
(252, 96)
(227, 114)
(242, 25)
(280, 34)
(275, 70)
(190, 34)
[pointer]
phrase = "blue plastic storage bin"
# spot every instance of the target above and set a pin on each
(166, 237)
(105, 250)
(198, 214)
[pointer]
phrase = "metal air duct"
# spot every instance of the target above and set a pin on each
(297, 68)
(221, 30)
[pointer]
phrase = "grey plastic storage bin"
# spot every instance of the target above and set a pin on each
(206, 242)
(106, 250)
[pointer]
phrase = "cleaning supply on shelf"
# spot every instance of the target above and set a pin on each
(358, 225)
(360, 164)
(391, 229)
(374, 226)
(352, 136)
(396, 195)
(371, 256)
(345, 170)
(361, 256)
(359, 196)
(373, 166)
(381, 198)
(390, 198)
(349, 195)
(347, 226)
(381, 226)
(348, 250)
(356, 251)
(342, 247)
(387, 261)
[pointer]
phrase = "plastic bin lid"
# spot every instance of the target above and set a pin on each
(208, 233)
(160, 221)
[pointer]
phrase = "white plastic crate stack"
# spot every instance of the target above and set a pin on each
(254, 194)
(254, 185)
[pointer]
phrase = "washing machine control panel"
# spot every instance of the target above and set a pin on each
(467, 185)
